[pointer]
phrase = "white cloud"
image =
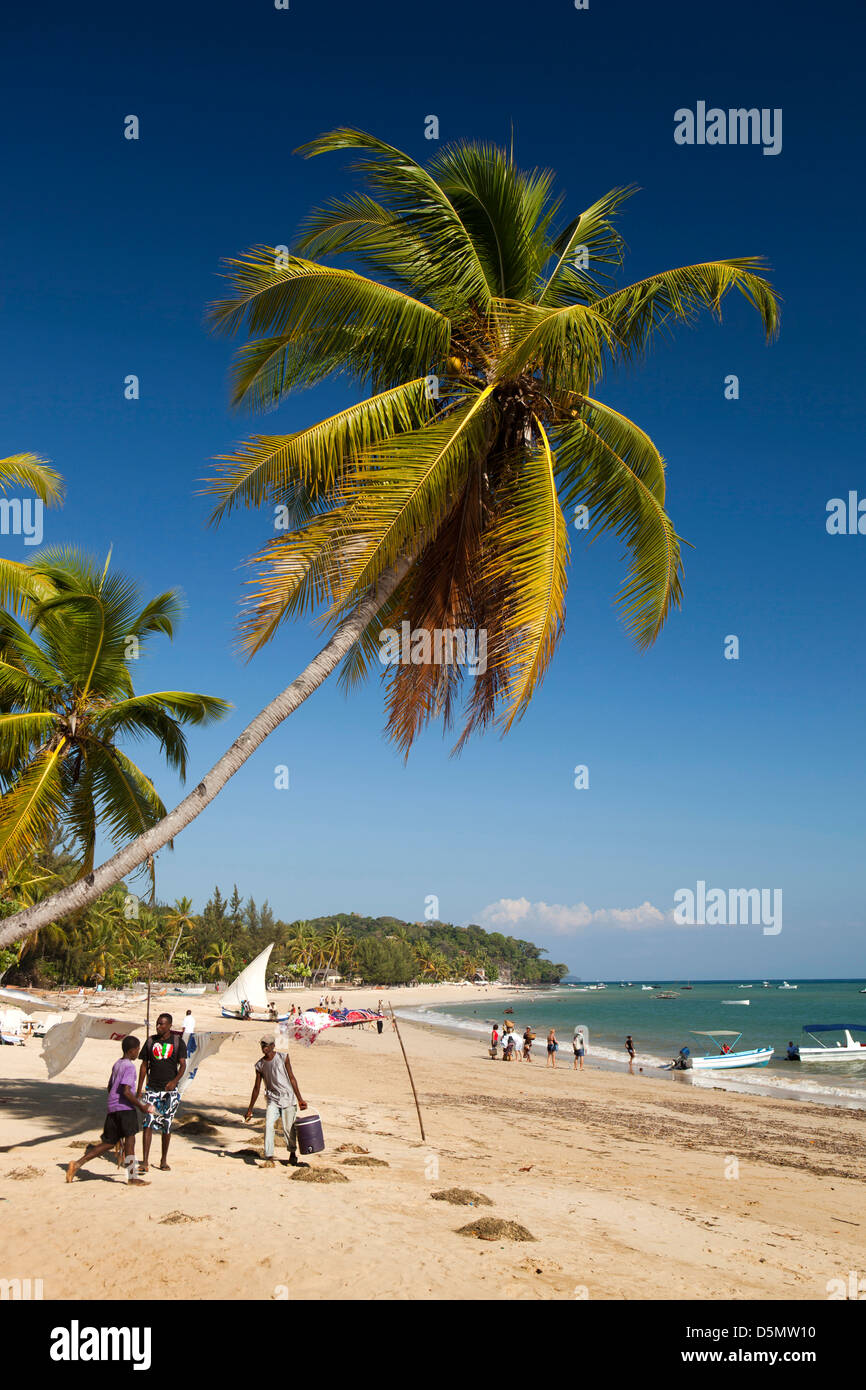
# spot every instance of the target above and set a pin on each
(561, 920)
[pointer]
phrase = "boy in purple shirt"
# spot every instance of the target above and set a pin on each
(121, 1121)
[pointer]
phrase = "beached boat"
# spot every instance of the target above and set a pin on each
(849, 1051)
(188, 989)
(246, 997)
(726, 1059)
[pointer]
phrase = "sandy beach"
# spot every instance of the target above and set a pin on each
(632, 1187)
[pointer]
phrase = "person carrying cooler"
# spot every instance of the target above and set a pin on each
(121, 1120)
(282, 1092)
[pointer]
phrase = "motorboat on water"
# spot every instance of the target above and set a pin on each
(247, 998)
(667, 994)
(850, 1050)
(726, 1059)
(785, 985)
(650, 987)
(736, 1001)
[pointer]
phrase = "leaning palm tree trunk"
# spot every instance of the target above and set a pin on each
(86, 890)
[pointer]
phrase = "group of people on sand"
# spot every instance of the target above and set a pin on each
(150, 1100)
(513, 1049)
(506, 1038)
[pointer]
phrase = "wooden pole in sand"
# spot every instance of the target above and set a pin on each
(409, 1070)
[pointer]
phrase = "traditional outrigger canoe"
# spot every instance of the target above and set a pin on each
(247, 997)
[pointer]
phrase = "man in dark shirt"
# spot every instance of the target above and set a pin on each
(163, 1063)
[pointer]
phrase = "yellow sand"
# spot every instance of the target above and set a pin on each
(627, 1184)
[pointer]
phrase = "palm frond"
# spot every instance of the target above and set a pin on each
(636, 312)
(619, 499)
(453, 265)
(313, 315)
(527, 552)
(33, 473)
(268, 467)
(31, 809)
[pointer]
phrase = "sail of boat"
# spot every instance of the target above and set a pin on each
(249, 986)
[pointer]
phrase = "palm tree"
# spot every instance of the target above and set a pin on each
(219, 959)
(67, 696)
(180, 917)
(479, 327)
(336, 938)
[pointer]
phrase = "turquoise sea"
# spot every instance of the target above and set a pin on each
(660, 1027)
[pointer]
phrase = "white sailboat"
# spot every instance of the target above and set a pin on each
(246, 997)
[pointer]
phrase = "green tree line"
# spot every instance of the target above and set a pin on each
(119, 939)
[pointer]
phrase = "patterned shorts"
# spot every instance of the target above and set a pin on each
(165, 1105)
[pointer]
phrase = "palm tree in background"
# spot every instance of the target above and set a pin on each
(180, 919)
(219, 959)
(478, 326)
(67, 697)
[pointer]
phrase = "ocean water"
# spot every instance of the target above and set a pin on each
(660, 1027)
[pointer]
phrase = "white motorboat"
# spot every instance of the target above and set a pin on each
(645, 987)
(849, 1051)
(736, 1001)
(726, 1059)
(785, 985)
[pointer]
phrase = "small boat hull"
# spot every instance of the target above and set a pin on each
(833, 1054)
(732, 1061)
(254, 1017)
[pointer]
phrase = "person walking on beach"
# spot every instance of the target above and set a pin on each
(629, 1047)
(188, 1026)
(163, 1063)
(579, 1049)
(527, 1043)
(494, 1041)
(121, 1120)
(283, 1098)
(552, 1048)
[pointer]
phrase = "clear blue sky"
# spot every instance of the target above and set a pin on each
(743, 774)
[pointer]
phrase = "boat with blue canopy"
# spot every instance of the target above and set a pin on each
(845, 1048)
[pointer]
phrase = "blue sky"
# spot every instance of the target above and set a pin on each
(741, 773)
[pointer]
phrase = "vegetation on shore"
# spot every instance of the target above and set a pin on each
(119, 940)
